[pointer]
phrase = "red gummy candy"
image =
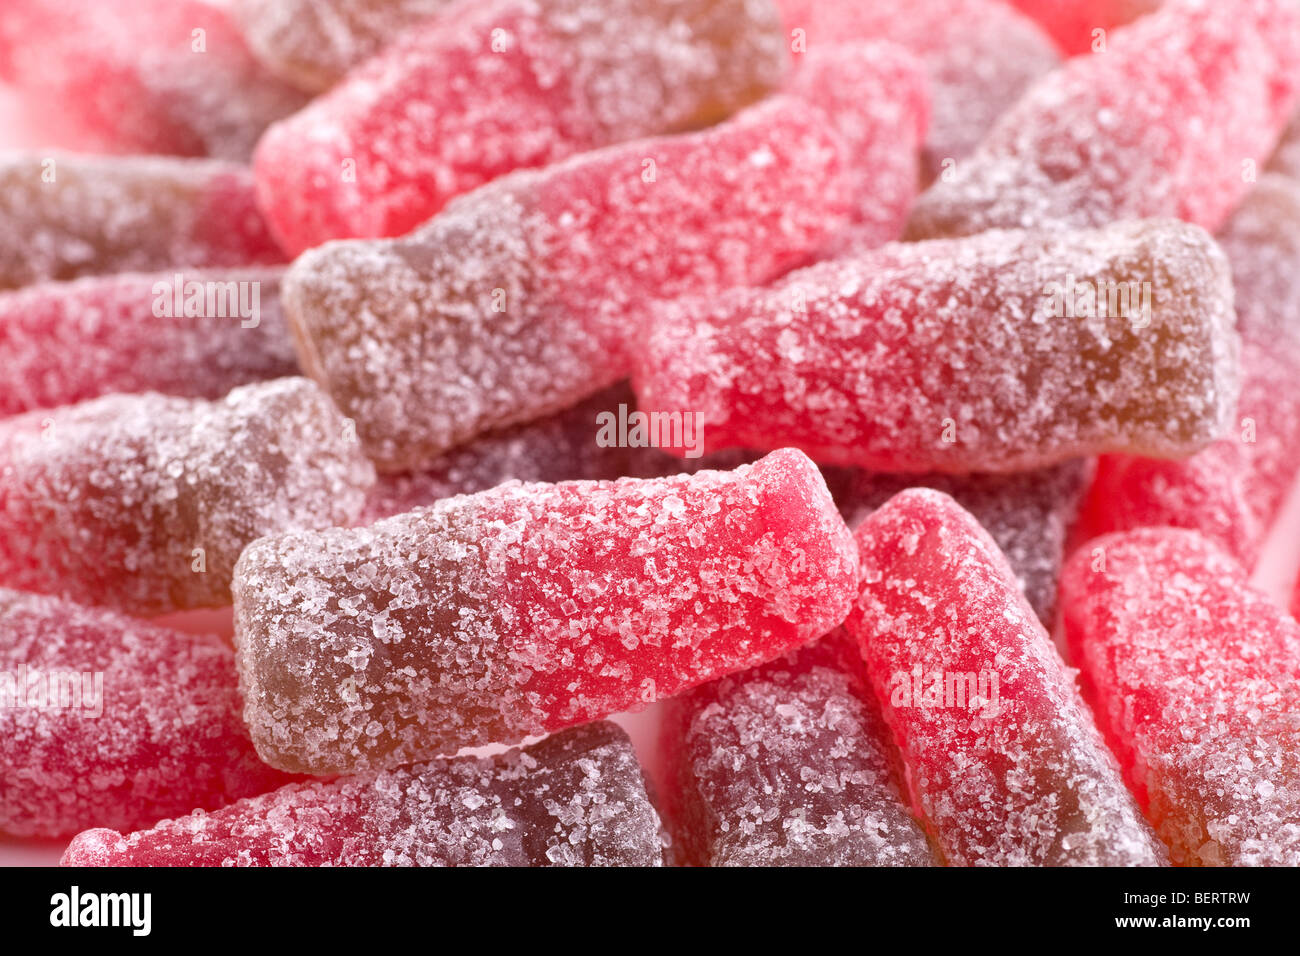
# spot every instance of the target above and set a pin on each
(574, 799)
(522, 297)
(197, 334)
(142, 76)
(107, 721)
(979, 56)
(313, 44)
(1161, 124)
(1073, 23)
(67, 216)
(954, 355)
(789, 764)
(487, 88)
(144, 502)
(1004, 764)
(520, 610)
(1193, 676)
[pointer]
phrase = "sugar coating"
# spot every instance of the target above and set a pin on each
(518, 300)
(979, 56)
(66, 342)
(63, 216)
(574, 799)
(106, 502)
(1193, 676)
(1028, 514)
(1161, 124)
(565, 446)
(134, 76)
(1072, 23)
(958, 356)
(313, 43)
(487, 88)
(789, 764)
(520, 610)
(1232, 490)
(151, 730)
(1003, 761)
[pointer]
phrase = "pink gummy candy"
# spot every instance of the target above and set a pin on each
(144, 502)
(520, 610)
(487, 88)
(1193, 676)
(521, 297)
(985, 353)
(574, 799)
(979, 56)
(312, 44)
(1028, 514)
(1073, 24)
(194, 333)
(66, 216)
(107, 721)
(789, 764)
(1232, 490)
(1003, 761)
(141, 76)
(1161, 124)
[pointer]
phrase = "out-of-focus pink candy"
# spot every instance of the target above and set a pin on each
(979, 56)
(141, 76)
(106, 721)
(196, 333)
(144, 502)
(487, 88)
(67, 216)
(1164, 123)
(1073, 23)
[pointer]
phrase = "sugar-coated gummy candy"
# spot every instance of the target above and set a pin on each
(580, 443)
(979, 56)
(112, 722)
(194, 333)
(574, 799)
(1232, 490)
(487, 88)
(789, 764)
(63, 216)
(313, 43)
(1004, 763)
(144, 502)
(1073, 24)
(1163, 123)
(1193, 676)
(984, 353)
(141, 76)
(527, 608)
(521, 298)
(1028, 514)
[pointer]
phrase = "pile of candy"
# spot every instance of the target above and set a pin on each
(795, 369)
